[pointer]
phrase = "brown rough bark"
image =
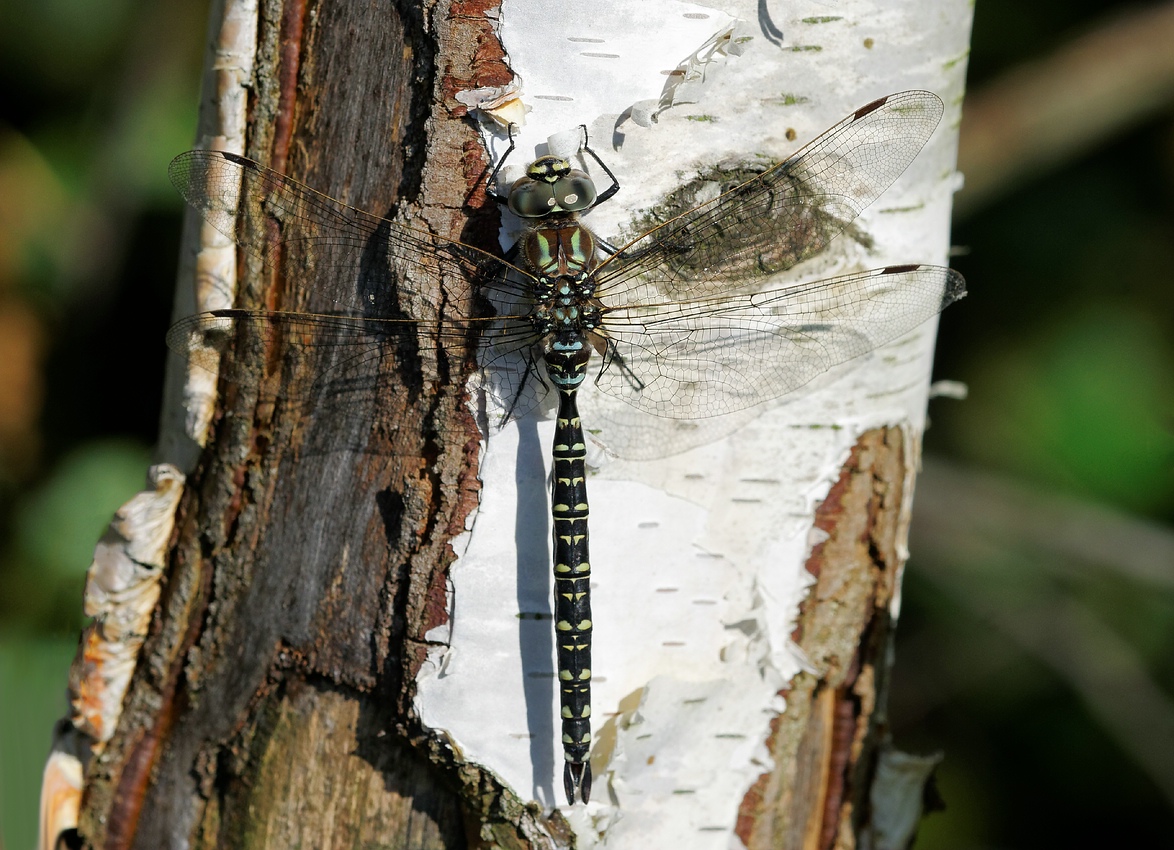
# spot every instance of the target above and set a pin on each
(272, 704)
(824, 745)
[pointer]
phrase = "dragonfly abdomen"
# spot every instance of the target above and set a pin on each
(572, 596)
(562, 256)
(566, 365)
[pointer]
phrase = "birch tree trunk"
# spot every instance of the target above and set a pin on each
(352, 646)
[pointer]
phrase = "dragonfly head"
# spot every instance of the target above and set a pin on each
(551, 186)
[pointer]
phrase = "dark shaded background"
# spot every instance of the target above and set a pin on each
(1039, 603)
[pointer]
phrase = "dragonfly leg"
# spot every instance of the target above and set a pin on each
(532, 371)
(610, 191)
(490, 187)
(613, 357)
(626, 254)
(608, 248)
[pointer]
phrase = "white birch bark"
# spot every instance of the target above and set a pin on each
(698, 559)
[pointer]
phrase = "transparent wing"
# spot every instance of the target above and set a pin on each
(714, 356)
(276, 217)
(769, 222)
(371, 321)
(347, 359)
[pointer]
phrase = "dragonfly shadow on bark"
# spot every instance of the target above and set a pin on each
(535, 639)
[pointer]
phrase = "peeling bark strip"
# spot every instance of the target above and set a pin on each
(816, 797)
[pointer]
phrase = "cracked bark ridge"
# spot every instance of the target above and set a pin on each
(825, 743)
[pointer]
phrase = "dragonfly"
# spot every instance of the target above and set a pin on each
(681, 320)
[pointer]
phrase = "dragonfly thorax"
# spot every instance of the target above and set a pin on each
(566, 248)
(564, 304)
(565, 288)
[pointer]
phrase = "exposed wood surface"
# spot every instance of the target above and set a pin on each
(824, 745)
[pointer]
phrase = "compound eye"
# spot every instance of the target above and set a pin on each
(530, 198)
(575, 192)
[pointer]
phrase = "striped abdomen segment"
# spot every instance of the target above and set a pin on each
(572, 600)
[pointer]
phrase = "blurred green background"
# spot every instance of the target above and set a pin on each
(1039, 603)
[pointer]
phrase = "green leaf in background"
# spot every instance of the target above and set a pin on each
(33, 673)
(58, 524)
(54, 531)
(1086, 406)
(63, 41)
